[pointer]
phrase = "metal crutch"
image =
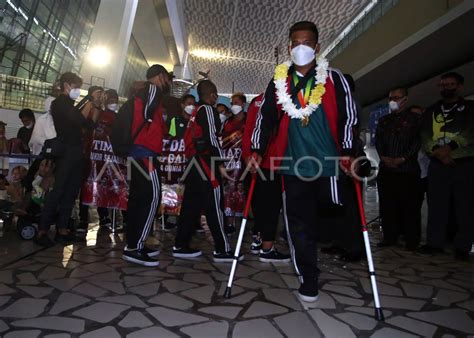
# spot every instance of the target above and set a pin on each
(227, 292)
(378, 309)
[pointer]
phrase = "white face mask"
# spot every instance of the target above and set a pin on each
(112, 106)
(74, 93)
(30, 125)
(235, 109)
(393, 106)
(189, 109)
(302, 55)
(223, 117)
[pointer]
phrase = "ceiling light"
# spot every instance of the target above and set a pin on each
(206, 54)
(99, 56)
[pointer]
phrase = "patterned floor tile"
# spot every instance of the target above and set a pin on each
(387, 332)
(169, 317)
(296, 324)
(329, 326)
(358, 321)
(415, 326)
(229, 312)
(203, 294)
(262, 309)
(211, 329)
(170, 300)
(152, 332)
(135, 319)
(283, 297)
(130, 300)
(101, 312)
(242, 299)
(108, 331)
(455, 319)
(25, 308)
(53, 323)
(255, 328)
(67, 301)
(23, 334)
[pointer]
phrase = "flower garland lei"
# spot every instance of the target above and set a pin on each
(315, 98)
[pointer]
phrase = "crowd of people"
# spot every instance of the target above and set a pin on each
(299, 140)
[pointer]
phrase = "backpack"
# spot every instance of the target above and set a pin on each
(121, 136)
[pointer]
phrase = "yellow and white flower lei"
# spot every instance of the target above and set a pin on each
(315, 97)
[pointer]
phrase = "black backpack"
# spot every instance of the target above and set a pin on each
(121, 136)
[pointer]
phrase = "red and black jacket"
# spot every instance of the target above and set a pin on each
(150, 136)
(270, 135)
(201, 136)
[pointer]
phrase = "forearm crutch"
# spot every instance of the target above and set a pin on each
(378, 309)
(228, 289)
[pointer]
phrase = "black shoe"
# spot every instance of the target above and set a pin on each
(44, 241)
(256, 246)
(351, 257)
(229, 230)
(461, 255)
(227, 257)
(151, 252)
(430, 250)
(186, 252)
(273, 256)
(65, 239)
(105, 222)
(385, 244)
(308, 291)
(332, 250)
(139, 257)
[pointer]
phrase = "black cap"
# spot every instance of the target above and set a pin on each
(154, 71)
(93, 89)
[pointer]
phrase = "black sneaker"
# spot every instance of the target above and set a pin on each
(273, 256)
(151, 252)
(186, 252)
(227, 257)
(44, 241)
(105, 222)
(65, 239)
(256, 246)
(229, 230)
(139, 257)
(308, 291)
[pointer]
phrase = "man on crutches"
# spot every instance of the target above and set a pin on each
(308, 109)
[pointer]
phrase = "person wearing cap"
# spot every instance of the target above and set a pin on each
(147, 129)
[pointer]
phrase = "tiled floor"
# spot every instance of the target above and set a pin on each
(89, 291)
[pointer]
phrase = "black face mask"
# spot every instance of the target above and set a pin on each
(448, 93)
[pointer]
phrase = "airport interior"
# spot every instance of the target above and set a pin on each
(236, 168)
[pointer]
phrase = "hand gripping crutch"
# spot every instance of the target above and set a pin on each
(378, 309)
(227, 292)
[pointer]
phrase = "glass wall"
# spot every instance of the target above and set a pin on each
(40, 39)
(135, 67)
